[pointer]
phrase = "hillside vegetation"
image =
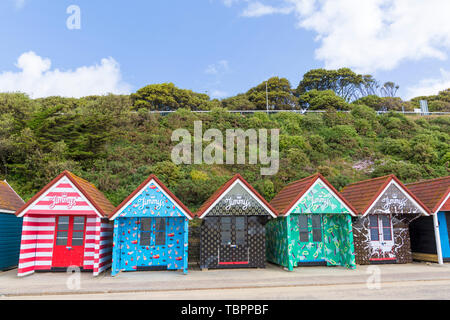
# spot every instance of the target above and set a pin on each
(115, 143)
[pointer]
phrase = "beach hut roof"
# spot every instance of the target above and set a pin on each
(363, 194)
(152, 179)
(95, 197)
(217, 196)
(434, 193)
(290, 195)
(10, 201)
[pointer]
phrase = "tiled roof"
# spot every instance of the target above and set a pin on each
(362, 194)
(142, 185)
(9, 200)
(432, 192)
(290, 194)
(224, 188)
(95, 197)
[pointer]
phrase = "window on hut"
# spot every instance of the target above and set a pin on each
(310, 228)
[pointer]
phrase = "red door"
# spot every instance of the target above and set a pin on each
(69, 241)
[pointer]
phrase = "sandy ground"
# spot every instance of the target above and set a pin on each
(411, 281)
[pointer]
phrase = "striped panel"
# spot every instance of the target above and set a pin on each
(98, 225)
(103, 249)
(89, 243)
(36, 246)
(63, 198)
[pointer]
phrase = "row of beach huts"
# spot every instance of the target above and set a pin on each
(70, 223)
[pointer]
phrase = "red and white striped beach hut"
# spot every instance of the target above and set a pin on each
(65, 225)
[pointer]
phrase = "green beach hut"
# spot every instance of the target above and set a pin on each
(314, 226)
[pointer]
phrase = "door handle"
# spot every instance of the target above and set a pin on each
(69, 248)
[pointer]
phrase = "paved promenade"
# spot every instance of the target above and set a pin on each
(411, 281)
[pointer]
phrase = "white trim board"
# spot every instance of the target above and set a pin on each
(393, 182)
(328, 189)
(140, 192)
(63, 179)
(246, 189)
(443, 202)
(13, 190)
(6, 211)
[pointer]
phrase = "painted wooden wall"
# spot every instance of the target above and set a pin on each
(444, 224)
(10, 233)
(336, 248)
(128, 255)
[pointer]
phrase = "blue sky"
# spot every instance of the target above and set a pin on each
(222, 47)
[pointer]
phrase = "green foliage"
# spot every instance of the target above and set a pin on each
(279, 95)
(344, 82)
(322, 100)
(436, 103)
(114, 142)
(342, 139)
(396, 147)
(166, 97)
(406, 172)
(239, 102)
(265, 188)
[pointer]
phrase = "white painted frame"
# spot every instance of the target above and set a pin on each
(140, 192)
(437, 234)
(352, 213)
(6, 211)
(50, 189)
(238, 181)
(393, 182)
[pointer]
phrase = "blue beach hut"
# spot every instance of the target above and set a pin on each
(150, 230)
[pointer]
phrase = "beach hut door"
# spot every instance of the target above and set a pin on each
(69, 241)
(233, 248)
(381, 237)
(152, 243)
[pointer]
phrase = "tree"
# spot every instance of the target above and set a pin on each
(368, 86)
(167, 97)
(322, 100)
(239, 102)
(389, 89)
(280, 95)
(344, 82)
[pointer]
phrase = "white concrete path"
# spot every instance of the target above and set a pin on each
(411, 281)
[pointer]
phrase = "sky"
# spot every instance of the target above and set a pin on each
(219, 47)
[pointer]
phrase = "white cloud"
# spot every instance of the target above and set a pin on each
(369, 35)
(38, 80)
(218, 68)
(218, 94)
(229, 3)
(19, 3)
(428, 87)
(257, 9)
